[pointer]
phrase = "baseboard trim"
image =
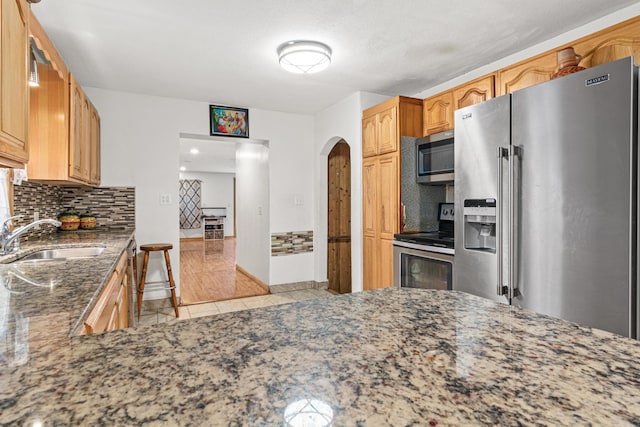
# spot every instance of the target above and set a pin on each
(189, 239)
(252, 277)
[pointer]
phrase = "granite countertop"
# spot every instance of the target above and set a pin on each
(64, 289)
(385, 357)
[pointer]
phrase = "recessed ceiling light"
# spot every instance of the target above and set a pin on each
(194, 151)
(304, 56)
(182, 168)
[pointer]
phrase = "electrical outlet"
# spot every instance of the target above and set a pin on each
(165, 199)
(259, 210)
(36, 217)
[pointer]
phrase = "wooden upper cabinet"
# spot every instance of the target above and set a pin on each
(475, 92)
(77, 131)
(369, 139)
(94, 145)
(14, 88)
(64, 125)
(387, 124)
(527, 74)
(614, 43)
(438, 113)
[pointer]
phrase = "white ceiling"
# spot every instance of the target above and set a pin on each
(225, 52)
(213, 155)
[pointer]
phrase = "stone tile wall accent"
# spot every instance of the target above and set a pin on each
(421, 201)
(292, 242)
(297, 286)
(114, 207)
(30, 196)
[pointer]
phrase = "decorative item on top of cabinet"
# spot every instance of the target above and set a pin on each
(438, 113)
(567, 63)
(14, 75)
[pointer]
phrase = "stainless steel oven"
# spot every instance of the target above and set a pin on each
(422, 266)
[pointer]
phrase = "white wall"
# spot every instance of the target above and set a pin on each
(340, 121)
(140, 147)
(216, 191)
(291, 177)
(252, 197)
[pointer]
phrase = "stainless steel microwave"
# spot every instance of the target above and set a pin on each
(434, 157)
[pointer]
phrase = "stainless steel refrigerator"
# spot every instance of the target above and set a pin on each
(546, 198)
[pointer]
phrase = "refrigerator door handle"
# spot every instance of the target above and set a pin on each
(514, 154)
(501, 289)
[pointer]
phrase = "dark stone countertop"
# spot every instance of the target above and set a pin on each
(67, 289)
(386, 357)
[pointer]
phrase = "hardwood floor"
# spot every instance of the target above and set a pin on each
(208, 273)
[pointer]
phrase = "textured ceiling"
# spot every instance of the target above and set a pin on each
(225, 52)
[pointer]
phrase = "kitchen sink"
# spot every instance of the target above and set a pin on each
(62, 254)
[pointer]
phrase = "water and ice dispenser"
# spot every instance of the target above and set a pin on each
(480, 225)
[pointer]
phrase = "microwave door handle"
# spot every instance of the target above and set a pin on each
(502, 153)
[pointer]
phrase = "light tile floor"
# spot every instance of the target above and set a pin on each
(161, 311)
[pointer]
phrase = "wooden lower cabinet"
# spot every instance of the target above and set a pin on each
(370, 264)
(111, 311)
(380, 218)
(385, 251)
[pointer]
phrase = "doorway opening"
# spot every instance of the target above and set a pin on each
(339, 218)
(213, 238)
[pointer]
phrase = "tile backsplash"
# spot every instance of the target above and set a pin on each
(421, 201)
(114, 207)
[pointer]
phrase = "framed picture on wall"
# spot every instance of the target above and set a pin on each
(229, 121)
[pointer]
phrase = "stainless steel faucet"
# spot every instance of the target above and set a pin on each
(9, 242)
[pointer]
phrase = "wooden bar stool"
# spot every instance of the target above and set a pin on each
(154, 247)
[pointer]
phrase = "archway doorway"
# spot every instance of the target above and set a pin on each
(339, 219)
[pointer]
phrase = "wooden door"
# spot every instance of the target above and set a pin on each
(14, 89)
(339, 219)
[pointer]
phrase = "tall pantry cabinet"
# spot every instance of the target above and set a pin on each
(382, 127)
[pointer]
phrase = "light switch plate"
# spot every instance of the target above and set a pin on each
(165, 199)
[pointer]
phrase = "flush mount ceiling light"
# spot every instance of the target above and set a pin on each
(304, 56)
(194, 151)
